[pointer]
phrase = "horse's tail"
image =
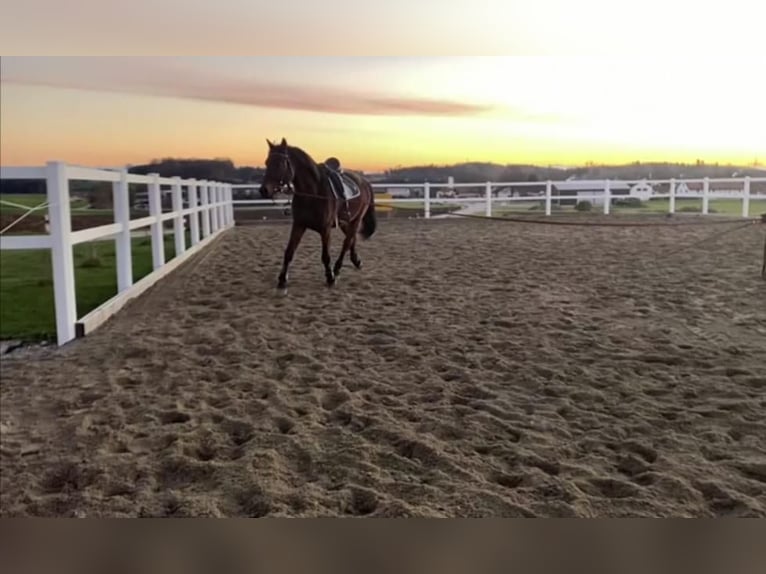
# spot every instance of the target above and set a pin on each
(369, 221)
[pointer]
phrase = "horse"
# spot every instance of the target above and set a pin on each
(316, 206)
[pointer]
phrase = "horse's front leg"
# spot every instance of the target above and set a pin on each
(296, 233)
(328, 272)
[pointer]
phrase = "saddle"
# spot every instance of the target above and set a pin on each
(342, 185)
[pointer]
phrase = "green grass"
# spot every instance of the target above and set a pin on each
(731, 207)
(401, 204)
(77, 207)
(34, 199)
(416, 205)
(26, 284)
(26, 199)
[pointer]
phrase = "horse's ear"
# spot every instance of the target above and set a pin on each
(271, 145)
(284, 142)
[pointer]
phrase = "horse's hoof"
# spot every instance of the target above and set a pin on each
(358, 264)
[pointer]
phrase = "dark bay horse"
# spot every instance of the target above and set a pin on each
(317, 207)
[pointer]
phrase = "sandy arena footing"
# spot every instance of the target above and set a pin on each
(471, 368)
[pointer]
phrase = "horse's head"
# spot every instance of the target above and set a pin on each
(279, 170)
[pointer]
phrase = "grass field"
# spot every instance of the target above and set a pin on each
(27, 200)
(718, 206)
(732, 207)
(79, 206)
(26, 284)
(33, 200)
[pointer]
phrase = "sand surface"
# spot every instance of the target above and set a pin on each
(470, 369)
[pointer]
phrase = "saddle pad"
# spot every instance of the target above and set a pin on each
(348, 189)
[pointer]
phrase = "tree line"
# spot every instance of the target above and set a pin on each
(224, 170)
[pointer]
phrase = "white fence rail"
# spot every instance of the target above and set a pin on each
(208, 201)
(209, 208)
(602, 191)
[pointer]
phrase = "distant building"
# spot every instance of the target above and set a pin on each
(399, 192)
(592, 191)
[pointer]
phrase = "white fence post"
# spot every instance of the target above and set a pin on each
(706, 196)
(178, 221)
(672, 202)
(194, 215)
(210, 201)
(746, 198)
(204, 191)
(488, 198)
(548, 196)
(122, 243)
(219, 206)
(155, 210)
(214, 209)
(226, 215)
(213, 200)
(62, 257)
(229, 204)
(219, 209)
(427, 200)
(224, 206)
(607, 197)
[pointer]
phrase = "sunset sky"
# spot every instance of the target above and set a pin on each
(376, 112)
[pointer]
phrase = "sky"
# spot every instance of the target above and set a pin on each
(659, 92)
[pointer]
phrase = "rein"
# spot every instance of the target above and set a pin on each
(293, 174)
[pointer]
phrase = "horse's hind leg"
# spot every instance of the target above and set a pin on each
(347, 242)
(296, 233)
(355, 259)
(329, 275)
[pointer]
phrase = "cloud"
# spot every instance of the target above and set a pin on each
(132, 77)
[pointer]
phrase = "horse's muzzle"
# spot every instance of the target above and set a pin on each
(269, 189)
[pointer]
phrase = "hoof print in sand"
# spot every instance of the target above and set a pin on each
(239, 432)
(174, 417)
(206, 449)
(754, 470)
(179, 471)
(507, 480)
(284, 424)
(362, 501)
(67, 477)
(719, 500)
(646, 452)
(254, 502)
(334, 399)
(632, 465)
(612, 488)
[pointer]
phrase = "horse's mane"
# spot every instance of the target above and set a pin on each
(304, 158)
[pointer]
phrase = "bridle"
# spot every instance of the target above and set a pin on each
(285, 179)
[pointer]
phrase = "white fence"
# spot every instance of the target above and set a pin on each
(209, 207)
(209, 211)
(596, 191)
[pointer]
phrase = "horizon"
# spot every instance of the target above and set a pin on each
(754, 164)
(379, 113)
